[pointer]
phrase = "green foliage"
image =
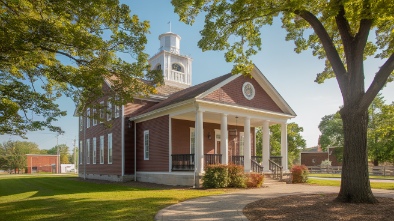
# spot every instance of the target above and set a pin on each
(63, 150)
(295, 141)
(216, 176)
(236, 177)
(299, 174)
(254, 180)
(60, 48)
(13, 154)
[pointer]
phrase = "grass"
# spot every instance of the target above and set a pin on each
(48, 197)
(374, 185)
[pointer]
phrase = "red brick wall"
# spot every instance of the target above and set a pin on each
(315, 158)
(42, 162)
(158, 144)
(231, 93)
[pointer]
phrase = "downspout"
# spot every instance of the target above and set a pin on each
(135, 151)
(122, 137)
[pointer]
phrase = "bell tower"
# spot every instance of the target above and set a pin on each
(176, 68)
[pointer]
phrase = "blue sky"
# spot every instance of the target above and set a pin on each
(290, 73)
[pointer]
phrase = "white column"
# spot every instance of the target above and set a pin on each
(283, 142)
(199, 140)
(247, 149)
(224, 139)
(266, 145)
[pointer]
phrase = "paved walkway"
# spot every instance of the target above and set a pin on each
(229, 206)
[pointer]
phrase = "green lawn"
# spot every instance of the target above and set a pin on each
(374, 185)
(47, 197)
(330, 175)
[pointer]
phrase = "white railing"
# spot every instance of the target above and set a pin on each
(179, 77)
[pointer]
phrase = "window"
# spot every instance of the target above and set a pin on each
(109, 111)
(158, 67)
(88, 118)
(101, 111)
(146, 145)
(88, 151)
(192, 141)
(110, 148)
(101, 149)
(94, 150)
(80, 123)
(94, 117)
(80, 151)
(117, 108)
(241, 143)
(176, 67)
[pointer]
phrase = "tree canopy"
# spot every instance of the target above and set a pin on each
(13, 154)
(63, 151)
(335, 30)
(53, 48)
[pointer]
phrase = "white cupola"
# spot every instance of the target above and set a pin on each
(177, 68)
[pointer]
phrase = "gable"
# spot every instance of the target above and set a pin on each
(231, 93)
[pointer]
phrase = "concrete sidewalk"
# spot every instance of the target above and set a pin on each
(229, 206)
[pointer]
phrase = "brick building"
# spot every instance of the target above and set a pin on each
(315, 157)
(170, 136)
(42, 163)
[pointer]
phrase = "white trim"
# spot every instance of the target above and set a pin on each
(80, 158)
(94, 117)
(244, 90)
(109, 110)
(192, 131)
(122, 137)
(217, 132)
(88, 118)
(146, 144)
(241, 141)
(101, 112)
(88, 151)
(110, 147)
(169, 144)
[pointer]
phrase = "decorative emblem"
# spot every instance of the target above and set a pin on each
(248, 90)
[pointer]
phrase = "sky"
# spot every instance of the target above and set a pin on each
(290, 73)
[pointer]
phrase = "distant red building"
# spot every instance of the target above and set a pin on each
(315, 156)
(42, 163)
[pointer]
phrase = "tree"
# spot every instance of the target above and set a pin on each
(54, 48)
(61, 149)
(295, 141)
(340, 35)
(14, 154)
(379, 137)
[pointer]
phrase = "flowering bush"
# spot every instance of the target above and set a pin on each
(254, 180)
(299, 173)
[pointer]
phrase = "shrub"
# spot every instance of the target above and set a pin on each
(299, 173)
(325, 163)
(236, 176)
(216, 176)
(254, 180)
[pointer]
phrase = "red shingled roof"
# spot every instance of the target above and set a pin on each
(188, 93)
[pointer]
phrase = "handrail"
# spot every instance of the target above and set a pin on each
(277, 170)
(210, 159)
(182, 162)
(256, 167)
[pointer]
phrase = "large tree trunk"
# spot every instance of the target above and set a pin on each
(355, 186)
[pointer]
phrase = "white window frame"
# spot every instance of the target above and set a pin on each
(101, 149)
(80, 123)
(110, 157)
(146, 144)
(109, 110)
(88, 118)
(80, 151)
(94, 150)
(88, 151)
(117, 108)
(241, 143)
(192, 141)
(101, 111)
(94, 117)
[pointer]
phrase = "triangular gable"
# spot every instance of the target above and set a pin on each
(266, 97)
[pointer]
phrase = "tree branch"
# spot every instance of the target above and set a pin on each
(344, 31)
(378, 82)
(79, 61)
(329, 47)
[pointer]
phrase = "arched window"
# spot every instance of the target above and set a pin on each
(158, 67)
(176, 67)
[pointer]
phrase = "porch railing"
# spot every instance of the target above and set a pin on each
(277, 170)
(182, 162)
(210, 159)
(277, 159)
(237, 160)
(256, 167)
(258, 159)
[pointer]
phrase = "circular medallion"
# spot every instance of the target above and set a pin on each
(248, 90)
